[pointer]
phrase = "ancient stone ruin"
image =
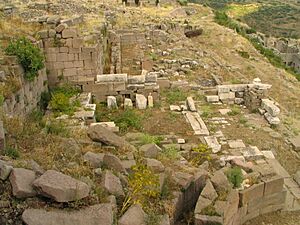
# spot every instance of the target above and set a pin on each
(133, 119)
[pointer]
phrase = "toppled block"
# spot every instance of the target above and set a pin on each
(271, 119)
(191, 104)
(270, 107)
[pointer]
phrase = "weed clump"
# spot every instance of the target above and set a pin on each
(235, 176)
(29, 56)
(143, 187)
(12, 152)
(61, 99)
(200, 154)
(174, 95)
(148, 139)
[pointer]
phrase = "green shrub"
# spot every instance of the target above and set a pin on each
(128, 119)
(61, 99)
(235, 176)
(29, 56)
(12, 152)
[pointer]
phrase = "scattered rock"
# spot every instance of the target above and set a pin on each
(5, 170)
(112, 184)
(21, 181)
(155, 165)
(92, 215)
(95, 159)
(99, 133)
(60, 187)
(296, 143)
(150, 150)
(114, 163)
(133, 216)
(201, 204)
(209, 191)
(220, 182)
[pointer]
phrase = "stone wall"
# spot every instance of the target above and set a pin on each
(239, 206)
(68, 58)
(24, 100)
(127, 51)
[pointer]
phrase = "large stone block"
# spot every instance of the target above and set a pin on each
(273, 185)
(252, 193)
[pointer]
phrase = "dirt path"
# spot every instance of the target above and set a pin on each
(278, 218)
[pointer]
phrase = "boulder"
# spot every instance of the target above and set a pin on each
(113, 162)
(60, 187)
(92, 215)
(296, 143)
(220, 181)
(201, 204)
(155, 165)
(5, 170)
(140, 101)
(99, 133)
(94, 159)
(21, 181)
(150, 150)
(133, 216)
(112, 184)
(209, 191)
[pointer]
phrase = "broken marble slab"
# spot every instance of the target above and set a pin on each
(213, 143)
(252, 153)
(196, 122)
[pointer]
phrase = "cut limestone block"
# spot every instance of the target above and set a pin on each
(212, 98)
(213, 143)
